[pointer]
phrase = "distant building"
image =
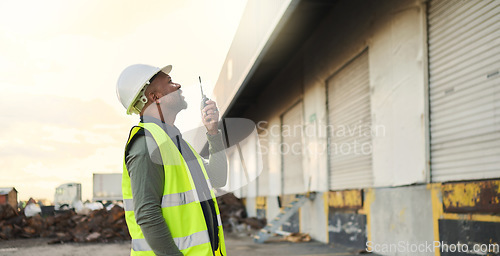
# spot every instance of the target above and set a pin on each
(8, 196)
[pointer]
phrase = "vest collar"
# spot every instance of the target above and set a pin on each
(172, 131)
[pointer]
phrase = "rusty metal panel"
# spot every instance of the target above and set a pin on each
(346, 199)
(474, 237)
(472, 197)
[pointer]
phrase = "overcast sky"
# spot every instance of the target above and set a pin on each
(59, 61)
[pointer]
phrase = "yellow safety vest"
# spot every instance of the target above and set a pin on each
(180, 204)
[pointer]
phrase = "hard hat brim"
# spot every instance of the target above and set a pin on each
(167, 69)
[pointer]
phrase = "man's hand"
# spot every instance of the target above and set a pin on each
(210, 117)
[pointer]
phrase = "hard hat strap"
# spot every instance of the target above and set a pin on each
(159, 111)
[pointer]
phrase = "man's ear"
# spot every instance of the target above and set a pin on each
(151, 96)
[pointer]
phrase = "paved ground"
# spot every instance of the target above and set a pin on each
(244, 246)
(236, 246)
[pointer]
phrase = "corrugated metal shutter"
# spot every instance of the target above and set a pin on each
(291, 149)
(464, 84)
(349, 124)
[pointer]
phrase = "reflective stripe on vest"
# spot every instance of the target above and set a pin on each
(168, 200)
(181, 242)
(219, 220)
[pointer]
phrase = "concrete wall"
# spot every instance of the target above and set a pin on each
(398, 59)
(316, 157)
(401, 214)
(313, 217)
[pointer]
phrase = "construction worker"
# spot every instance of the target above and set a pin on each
(169, 201)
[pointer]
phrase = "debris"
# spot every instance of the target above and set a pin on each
(234, 216)
(87, 208)
(110, 206)
(32, 209)
(255, 223)
(93, 237)
(94, 206)
(7, 211)
(47, 210)
(94, 223)
(65, 226)
(297, 237)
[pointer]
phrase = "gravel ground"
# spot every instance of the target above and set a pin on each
(236, 246)
(39, 247)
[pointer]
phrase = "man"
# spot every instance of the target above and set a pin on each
(170, 206)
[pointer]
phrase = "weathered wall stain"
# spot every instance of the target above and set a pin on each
(467, 197)
(348, 229)
(346, 199)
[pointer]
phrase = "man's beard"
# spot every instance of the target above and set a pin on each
(174, 102)
(183, 104)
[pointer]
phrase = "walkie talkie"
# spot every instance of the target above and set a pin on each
(203, 96)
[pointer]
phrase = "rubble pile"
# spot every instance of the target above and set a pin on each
(234, 216)
(98, 226)
(104, 225)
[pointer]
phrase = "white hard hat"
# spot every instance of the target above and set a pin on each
(132, 84)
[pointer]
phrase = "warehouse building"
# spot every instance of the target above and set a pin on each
(387, 111)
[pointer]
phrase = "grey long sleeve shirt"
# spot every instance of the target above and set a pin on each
(148, 178)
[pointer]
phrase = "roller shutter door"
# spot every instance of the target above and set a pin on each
(291, 149)
(349, 120)
(464, 88)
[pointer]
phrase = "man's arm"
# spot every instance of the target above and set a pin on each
(148, 179)
(217, 162)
